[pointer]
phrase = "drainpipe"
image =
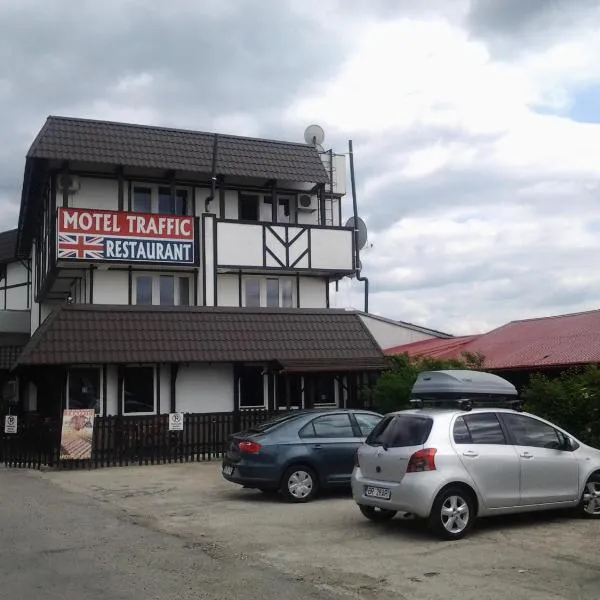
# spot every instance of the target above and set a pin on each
(213, 189)
(356, 249)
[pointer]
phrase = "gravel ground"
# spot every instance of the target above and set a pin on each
(327, 543)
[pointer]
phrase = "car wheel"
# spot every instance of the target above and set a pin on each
(299, 484)
(452, 514)
(377, 514)
(589, 506)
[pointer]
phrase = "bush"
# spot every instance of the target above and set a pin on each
(571, 401)
(392, 390)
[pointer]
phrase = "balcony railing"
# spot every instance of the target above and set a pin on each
(281, 246)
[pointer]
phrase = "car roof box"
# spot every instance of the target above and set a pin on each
(454, 383)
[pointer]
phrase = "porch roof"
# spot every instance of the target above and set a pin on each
(296, 339)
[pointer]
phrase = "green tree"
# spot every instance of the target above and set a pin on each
(393, 387)
(571, 400)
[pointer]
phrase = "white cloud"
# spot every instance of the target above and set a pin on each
(524, 246)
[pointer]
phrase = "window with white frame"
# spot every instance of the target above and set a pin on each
(259, 207)
(165, 290)
(139, 391)
(270, 292)
(148, 198)
(84, 390)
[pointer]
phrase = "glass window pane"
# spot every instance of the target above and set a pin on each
(402, 431)
(248, 208)
(367, 422)
(181, 202)
(485, 429)
(272, 293)
(252, 292)
(333, 426)
(84, 388)
(142, 199)
(167, 290)
(252, 387)
(143, 290)
(138, 390)
(165, 201)
(184, 291)
(283, 211)
(531, 432)
(293, 383)
(287, 293)
(461, 433)
(324, 389)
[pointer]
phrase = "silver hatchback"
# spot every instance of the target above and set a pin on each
(450, 466)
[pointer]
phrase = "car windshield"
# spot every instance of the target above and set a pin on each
(400, 431)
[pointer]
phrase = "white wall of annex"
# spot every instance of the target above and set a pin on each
(228, 290)
(204, 388)
(16, 298)
(389, 335)
(110, 287)
(101, 194)
(308, 217)
(16, 273)
(165, 390)
(112, 390)
(313, 292)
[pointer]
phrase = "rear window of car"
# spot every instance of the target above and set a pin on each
(272, 423)
(399, 431)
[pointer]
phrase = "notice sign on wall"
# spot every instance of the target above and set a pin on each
(10, 424)
(77, 434)
(176, 422)
(103, 235)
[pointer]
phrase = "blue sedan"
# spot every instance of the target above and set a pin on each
(299, 453)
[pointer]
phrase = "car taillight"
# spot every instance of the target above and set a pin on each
(249, 447)
(423, 460)
(356, 461)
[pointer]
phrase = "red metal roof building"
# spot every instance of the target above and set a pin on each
(542, 343)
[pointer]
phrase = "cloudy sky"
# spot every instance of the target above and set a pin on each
(476, 125)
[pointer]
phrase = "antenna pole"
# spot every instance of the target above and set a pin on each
(355, 209)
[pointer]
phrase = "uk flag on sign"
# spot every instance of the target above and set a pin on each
(80, 246)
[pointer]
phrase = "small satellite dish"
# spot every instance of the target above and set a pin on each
(314, 135)
(362, 230)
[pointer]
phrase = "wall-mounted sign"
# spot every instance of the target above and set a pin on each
(103, 235)
(10, 424)
(176, 422)
(77, 434)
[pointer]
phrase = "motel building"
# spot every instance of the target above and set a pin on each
(159, 271)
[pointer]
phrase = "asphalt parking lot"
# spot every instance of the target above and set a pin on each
(328, 544)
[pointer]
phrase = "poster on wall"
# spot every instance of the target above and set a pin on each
(77, 434)
(104, 235)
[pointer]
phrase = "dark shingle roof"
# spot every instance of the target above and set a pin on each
(297, 339)
(8, 246)
(63, 138)
(11, 345)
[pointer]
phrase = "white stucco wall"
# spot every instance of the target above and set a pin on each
(111, 287)
(313, 292)
(95, 193)
(389, 335)
(205, 388)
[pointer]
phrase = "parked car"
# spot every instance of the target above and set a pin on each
(450, 466)
(298, 453)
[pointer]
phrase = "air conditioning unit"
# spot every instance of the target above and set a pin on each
(69, 182)
(307, 203)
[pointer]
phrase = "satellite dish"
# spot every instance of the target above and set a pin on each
(314, 135)
(362, 231)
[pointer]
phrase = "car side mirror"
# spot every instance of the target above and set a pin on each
(567, 444)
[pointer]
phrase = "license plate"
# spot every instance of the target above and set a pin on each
(377, 492)
(228, 470)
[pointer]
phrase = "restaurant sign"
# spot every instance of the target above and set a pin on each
(104, 235)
